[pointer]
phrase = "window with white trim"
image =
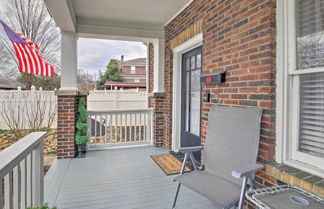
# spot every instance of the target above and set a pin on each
(305, 82)
(133, 69)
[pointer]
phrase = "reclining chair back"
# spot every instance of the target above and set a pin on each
(232, 139)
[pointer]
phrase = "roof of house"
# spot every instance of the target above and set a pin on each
(125, 84)
(137, 61)
(8, 83)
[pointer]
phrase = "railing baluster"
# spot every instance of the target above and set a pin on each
(100, 131)
(38, 175)
(29, 180)
(106, 130)
(95, 138)
(144, 131)
(135, 135)
(125, 128)
(23, 170)
(110, 129)
(120, 127)
(8, 191)
(89, 127)
(16, 187)
(115, 138)
(1, 194)
(140, 128)
(131, 127)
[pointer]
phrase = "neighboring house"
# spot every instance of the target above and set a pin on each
(10, 84)
(134, 73)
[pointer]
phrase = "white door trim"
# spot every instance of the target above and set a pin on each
(178, 51)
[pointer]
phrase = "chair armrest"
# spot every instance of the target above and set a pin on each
(189, 149)
(246, 171)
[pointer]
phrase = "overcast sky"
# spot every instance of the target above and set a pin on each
(94, 54)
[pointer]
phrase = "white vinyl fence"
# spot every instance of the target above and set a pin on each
(27, 109)
(116, 99)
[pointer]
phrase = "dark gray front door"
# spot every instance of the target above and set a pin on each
(191, 94)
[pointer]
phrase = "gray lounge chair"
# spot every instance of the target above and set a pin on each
(229, 157)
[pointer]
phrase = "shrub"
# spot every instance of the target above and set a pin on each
(81, 124)
(45, 206)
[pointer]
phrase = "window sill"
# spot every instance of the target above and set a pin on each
(296, 177)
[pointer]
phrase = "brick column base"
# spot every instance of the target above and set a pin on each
(66, 112)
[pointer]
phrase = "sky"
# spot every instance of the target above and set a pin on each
(94, 54)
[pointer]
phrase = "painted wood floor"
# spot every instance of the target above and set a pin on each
(120, 179)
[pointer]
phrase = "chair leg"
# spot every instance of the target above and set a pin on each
(176, 196)
(240, 205)
(179, 184)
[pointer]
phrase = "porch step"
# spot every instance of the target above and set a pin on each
(53, 180)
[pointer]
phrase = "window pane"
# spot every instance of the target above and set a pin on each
(310, 33)
(198, 60)
(311, 124)
(195, 102)
(193, 62)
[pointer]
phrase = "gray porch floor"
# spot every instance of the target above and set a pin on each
(120, 179)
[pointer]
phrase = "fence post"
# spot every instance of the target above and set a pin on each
(115, 99)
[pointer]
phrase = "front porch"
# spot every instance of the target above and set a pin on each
(117, 178)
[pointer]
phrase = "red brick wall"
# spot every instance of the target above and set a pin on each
(239, 38)
(66, 126)
(157, 103)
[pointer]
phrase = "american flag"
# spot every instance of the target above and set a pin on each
(27, 54)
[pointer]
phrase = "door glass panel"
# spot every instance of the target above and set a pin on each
(193, 62)
(198, 62)
(187, 119)
(195, 102)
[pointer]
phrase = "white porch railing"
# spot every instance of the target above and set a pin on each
(120, 127)
(22, 173)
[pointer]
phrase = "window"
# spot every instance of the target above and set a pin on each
(133, 70)
(303, 92)
(136, 80)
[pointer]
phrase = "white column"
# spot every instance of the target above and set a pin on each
(159, 66)
(69, 61)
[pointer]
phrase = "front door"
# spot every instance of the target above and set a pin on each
(191, 94)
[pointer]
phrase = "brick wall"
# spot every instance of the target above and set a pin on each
(239, 38)
(157, 103)
(66, 126)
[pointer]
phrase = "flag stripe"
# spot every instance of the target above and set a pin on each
(27, 52)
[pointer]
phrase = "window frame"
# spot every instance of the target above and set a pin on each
(288, 91)
(133, 70)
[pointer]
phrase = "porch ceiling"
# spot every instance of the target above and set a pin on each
(101, 16)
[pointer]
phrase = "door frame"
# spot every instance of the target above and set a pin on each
(178, 51)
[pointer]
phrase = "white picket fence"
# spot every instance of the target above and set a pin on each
(116, 99)
(26, 108)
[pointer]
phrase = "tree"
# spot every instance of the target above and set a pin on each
(112, 74)
(31, 18)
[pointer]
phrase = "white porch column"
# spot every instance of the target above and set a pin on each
(159, 66)
(69, 61)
